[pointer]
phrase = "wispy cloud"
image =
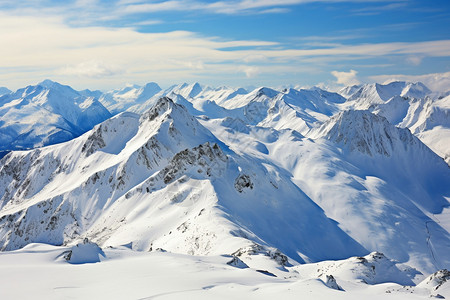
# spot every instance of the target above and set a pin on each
(48, 45)
(232, 6)
(94, 11)
(325, 38)
(91, 69)
(159, 6)
(375, 10)
(148, 22)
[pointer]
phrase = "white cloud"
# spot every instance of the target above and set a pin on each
(346, 78)
(148, 22)
(45, 46)
(250, 71)
(91, 69)
(159, 6)
(374, 10)
(437, 82)
(225, 7)
(34, 48)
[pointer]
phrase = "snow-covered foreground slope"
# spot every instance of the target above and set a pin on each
(41, 272)
(46, 114)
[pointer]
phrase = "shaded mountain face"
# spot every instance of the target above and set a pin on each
(307, 174)
(46, 114)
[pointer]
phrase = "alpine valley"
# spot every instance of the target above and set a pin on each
(225, 193)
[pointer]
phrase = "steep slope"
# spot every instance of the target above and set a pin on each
(161, 181)
(46, 114)
(398, 184)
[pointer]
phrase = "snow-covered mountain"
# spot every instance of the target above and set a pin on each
(372, 94)
(407, 105)
(347, 91)
(264, 179)
(169, 173)
(120, 100)
(430, 121)
(265, 107)
(46, 114)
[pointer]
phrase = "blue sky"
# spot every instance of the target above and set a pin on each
(106, 44)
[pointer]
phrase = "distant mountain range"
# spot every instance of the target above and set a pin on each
(46, 114)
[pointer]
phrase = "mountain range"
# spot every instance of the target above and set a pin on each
(46, 114)
(298, 176)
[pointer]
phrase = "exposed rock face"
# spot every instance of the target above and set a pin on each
(243, 182)
(236, 262)
(436, 280)
(161, 106)
(94, 142)
(256, 249)
(204, 158)
(331, 282)
(83, 253)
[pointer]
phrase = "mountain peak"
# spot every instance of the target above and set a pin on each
(415, 90)
(47, 83)
(151, 85)
(54, 86)
(4, 91)
(194, 89)
(162, 105)
(362, 131)
(265, 91)
(348, 91)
